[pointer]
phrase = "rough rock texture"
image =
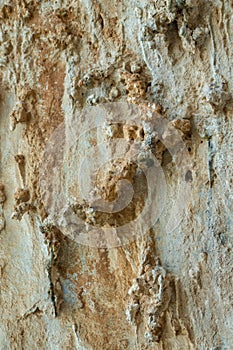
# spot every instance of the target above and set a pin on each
(165, 289)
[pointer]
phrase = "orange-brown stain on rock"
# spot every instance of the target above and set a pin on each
(47, 116)
(101, 285)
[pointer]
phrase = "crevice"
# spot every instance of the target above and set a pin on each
(210, 163)
(211, 176)
(51, 291)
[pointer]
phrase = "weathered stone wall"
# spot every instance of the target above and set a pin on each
(162, 289)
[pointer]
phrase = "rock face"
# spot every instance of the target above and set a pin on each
(116, 174)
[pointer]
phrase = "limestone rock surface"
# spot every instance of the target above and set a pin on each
(116, 165)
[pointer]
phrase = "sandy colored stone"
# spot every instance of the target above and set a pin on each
(172, 287)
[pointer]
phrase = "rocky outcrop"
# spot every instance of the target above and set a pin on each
(115, 174)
